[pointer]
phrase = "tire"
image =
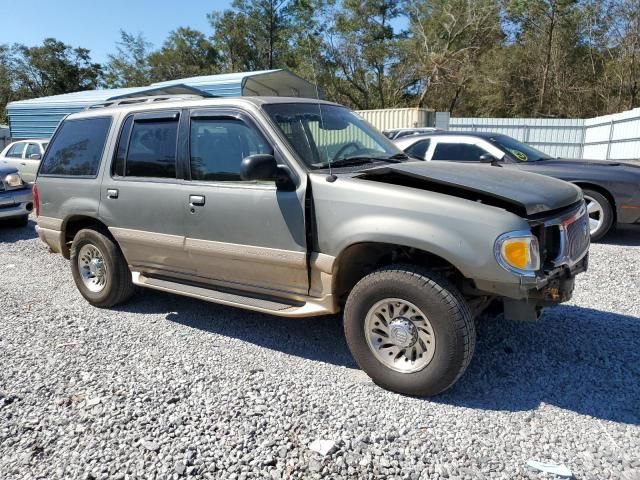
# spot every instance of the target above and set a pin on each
(111, 288)
(603, 213)
(452, 329)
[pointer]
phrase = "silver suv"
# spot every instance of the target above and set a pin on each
(298, 208)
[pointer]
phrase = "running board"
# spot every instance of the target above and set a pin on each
(275, 307)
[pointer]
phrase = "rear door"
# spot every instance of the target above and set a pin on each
(246, 235)
(29, 166)
(142, 194)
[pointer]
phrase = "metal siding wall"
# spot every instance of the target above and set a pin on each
(396, 117)
(556, 137)
(613, 137)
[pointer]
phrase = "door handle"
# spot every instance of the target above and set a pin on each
(196, 200)
(23, 163)
(112, 193)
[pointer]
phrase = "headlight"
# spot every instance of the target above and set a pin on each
(518, 252)
(13, 180)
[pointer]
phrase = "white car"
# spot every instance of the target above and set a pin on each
(407, 132)
(24, 155)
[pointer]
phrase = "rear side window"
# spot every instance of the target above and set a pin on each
(461, 152)
(147, 149)
(77, 148)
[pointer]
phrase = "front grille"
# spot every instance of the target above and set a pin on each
(577, 237)
(565, 238)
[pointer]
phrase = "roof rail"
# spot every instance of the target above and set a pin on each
(153, 94)
(136, 100)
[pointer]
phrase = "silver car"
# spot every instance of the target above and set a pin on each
(25, 155)
(297, 207)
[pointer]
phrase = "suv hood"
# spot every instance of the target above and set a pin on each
(521, 192)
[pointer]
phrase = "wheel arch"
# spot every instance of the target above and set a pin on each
(357, 260)
(74, 223)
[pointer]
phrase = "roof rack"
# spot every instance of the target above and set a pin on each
(153, 94)
(147, 99)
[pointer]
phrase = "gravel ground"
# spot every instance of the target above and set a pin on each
(170, 387)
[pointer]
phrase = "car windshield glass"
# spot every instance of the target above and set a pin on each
(518, 150)
(329, 134)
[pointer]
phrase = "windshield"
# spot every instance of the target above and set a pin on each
(518, 150)
(329, 134)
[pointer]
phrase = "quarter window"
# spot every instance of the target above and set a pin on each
(460, 152)
(218, 146)
(77, 148)
(15, 151)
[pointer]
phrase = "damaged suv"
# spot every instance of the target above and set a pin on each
(299, 208)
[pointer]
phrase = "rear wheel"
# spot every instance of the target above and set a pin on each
(409, 330)
(99, 269)
(600, 214)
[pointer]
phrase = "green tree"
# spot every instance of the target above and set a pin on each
(252, 35)
(185, 53)
(448, 40)
(129, 67)
(6, 80)
(362, 55)
(52, 68)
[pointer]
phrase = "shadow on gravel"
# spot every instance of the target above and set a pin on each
(9, 233)
(624, 235)
(318, 339)
(579, 359)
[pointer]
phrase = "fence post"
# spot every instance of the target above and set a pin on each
(610, 140)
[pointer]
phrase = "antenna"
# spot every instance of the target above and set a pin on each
(331, 177)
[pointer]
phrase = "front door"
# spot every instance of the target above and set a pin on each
(142, 196)
(245, 235)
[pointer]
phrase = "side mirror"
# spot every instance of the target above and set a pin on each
(259, 167)
(35, 156)
(487, 158)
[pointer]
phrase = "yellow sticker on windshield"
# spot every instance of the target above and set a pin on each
(519, 155)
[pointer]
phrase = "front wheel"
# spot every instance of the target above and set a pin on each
(99, 269)
(410, 330)
(600, 214)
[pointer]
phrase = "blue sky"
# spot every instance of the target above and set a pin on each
(96, 24)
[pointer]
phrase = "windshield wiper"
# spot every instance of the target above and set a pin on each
(355, 160)
(364, 159)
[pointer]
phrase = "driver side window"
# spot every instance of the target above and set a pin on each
(458, 152)
(218, 146)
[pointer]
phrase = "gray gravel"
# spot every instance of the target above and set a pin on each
(169, 387)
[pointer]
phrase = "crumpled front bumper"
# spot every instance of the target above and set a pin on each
(15, 203)
(556, 287)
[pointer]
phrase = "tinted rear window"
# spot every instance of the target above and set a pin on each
(77, 148)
